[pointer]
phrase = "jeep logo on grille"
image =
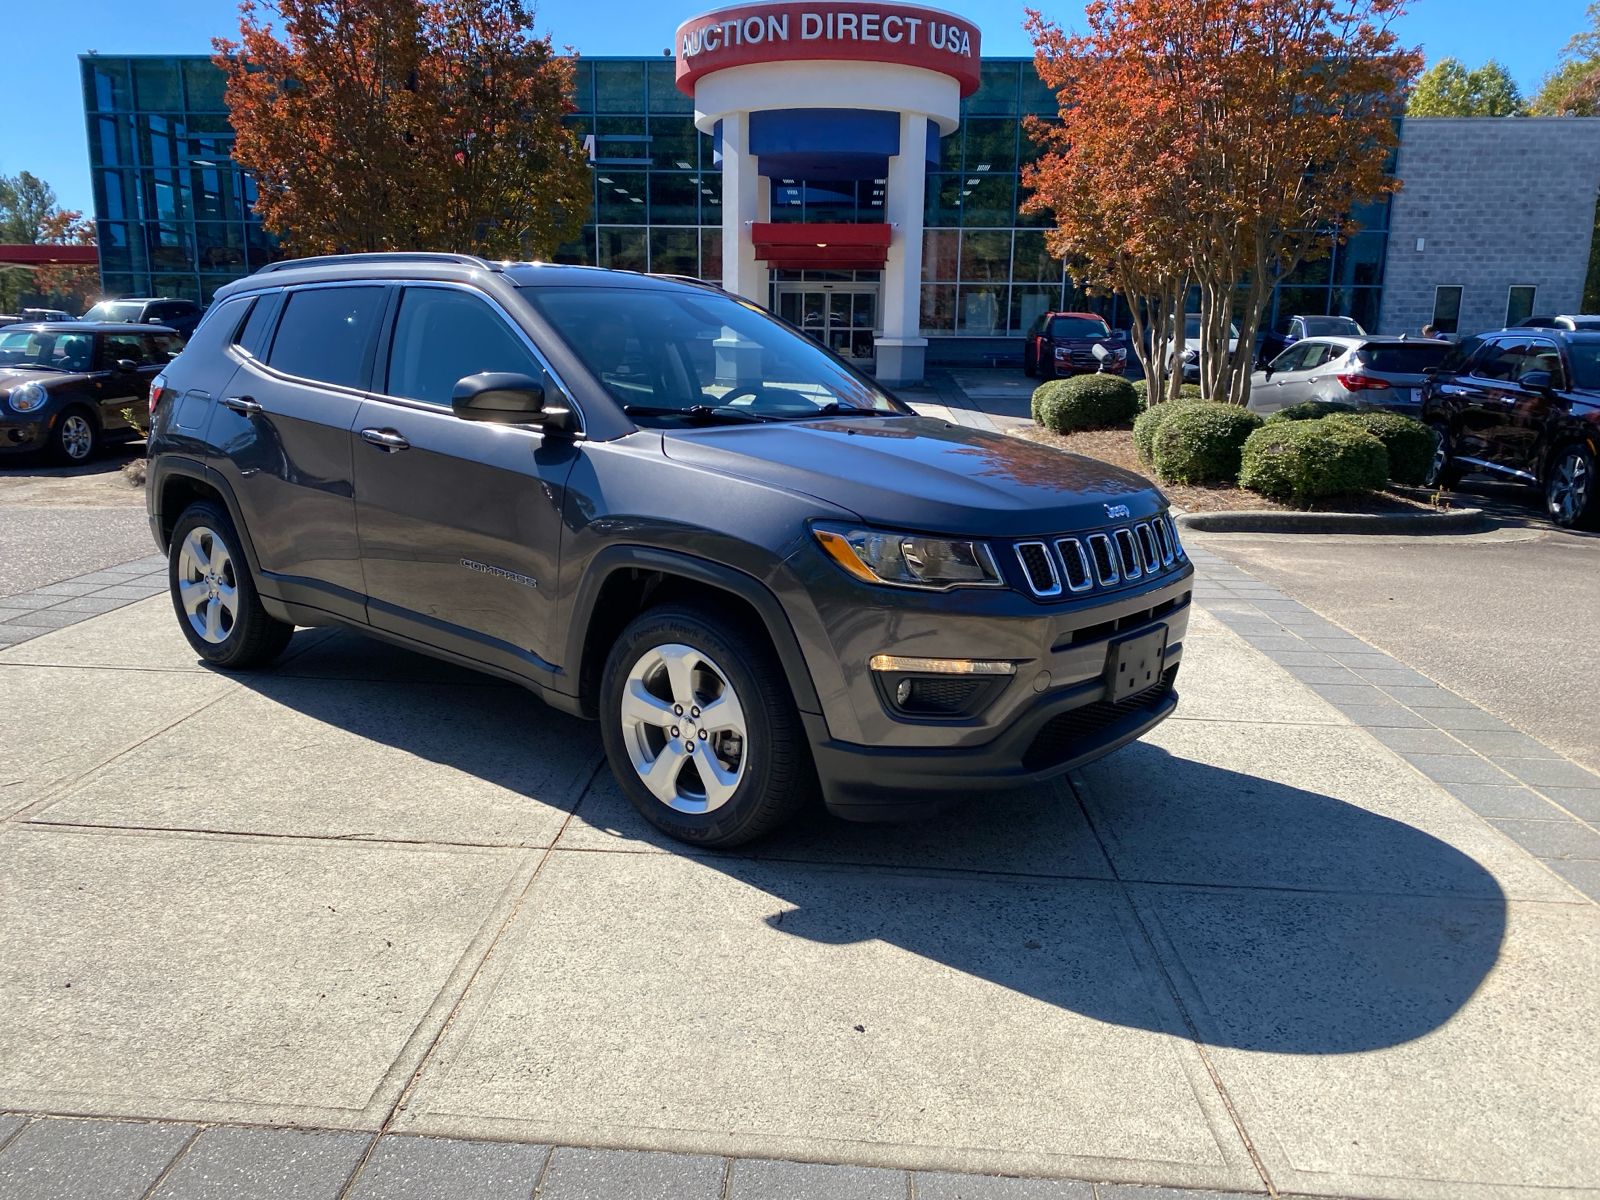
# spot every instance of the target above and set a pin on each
(1114, 511)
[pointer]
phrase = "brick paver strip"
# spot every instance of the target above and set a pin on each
(26, 615)
(426, 1168)
(1514, 782)
(754, 1179)
(264, 1164)
(88, 1160)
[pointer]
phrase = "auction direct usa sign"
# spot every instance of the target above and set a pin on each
(785, 32)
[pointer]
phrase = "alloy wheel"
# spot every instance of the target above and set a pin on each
(684, 728)
(1568, 490)
(207, 585)
(1441, 458)
(77, 436)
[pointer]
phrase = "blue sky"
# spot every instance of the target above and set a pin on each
(44, 131)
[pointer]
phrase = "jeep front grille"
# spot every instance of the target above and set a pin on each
(1039, 568)
(1105, 559)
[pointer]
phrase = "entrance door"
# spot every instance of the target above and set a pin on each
(841, 316)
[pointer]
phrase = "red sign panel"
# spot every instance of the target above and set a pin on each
(789, 32)
(800, 247)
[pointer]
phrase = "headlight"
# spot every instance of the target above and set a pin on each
(909, 559)
(1191, 355)
(28, 397)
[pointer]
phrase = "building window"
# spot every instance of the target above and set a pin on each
(1446, 309)
(1519, 305)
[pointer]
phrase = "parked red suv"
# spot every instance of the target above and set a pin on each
(1063, 344)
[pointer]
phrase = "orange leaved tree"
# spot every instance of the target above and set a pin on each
(1228, 139)
(405, 125)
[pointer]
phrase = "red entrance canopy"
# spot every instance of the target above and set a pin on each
(49, 256)
(816, 247)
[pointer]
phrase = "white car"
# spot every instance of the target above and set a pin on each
(1191, 347)
(1368, 372)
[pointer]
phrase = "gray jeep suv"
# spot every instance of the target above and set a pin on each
(656, 505)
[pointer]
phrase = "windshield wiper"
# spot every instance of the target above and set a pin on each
(834, 409)
(699, 412)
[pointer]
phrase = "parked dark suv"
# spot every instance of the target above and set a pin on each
(181, 315)
(1522, 405)
(655, 505)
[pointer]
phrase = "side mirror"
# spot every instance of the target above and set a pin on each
(1429, 370)
(501, 397)
(1268, 369)
(1538, 381)
(126, 365)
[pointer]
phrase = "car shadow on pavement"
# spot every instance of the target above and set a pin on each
(1301, 924)
(1289, 921)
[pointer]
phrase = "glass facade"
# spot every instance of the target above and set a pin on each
(174, 210)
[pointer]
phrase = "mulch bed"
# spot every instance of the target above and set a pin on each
(1115, 446)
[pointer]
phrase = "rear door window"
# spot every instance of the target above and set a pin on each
(326, 333)
(1503, 361)
(443, 335)
(118, 346)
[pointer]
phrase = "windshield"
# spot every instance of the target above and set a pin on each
(1078, 327)
(52, 351)
(1332, 327)
(1410, 359)
(674, 358)
(114, 310)
(1191, 328)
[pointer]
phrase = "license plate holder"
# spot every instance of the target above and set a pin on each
(1134, 664)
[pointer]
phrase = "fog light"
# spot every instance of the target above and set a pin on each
(941, 666)
(903, 692)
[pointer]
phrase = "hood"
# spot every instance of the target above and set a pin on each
(11, 377)
(919, 473)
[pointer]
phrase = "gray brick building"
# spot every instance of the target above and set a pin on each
(1492, 206)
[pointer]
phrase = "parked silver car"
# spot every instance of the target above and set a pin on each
(1369, 372)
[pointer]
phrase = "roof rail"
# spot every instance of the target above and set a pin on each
(392, 256)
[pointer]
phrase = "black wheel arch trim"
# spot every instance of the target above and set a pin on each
(699, 570)
(161, 471)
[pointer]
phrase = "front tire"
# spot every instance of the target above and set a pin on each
(75, 437)
(700, 728)
(214, 595)
(1571, 496)
(1442, 473)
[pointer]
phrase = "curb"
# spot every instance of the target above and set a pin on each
(1456, 520)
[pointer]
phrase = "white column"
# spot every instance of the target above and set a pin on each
(741, 206)
(900, 349)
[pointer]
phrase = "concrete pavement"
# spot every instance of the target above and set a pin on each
(1314, 934)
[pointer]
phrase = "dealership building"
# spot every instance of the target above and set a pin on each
(859, 172)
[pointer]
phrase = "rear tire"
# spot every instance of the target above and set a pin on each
(214, 595)
(1442, 473)
(700, 728)
(75, 437)
(1571, 494)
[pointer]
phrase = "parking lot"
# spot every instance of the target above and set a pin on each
(1330, 930)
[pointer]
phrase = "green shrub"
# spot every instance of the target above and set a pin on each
(1310, 410)
(1199, 441)
(1299, 461)
(1040, 394)
(1097, 401)
(1147, 422)
(1141, 388)
(1410, 443)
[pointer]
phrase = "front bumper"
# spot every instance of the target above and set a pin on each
(1059, 732)
(23, 436)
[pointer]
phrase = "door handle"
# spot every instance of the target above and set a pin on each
(386, 440)
(242, 404)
